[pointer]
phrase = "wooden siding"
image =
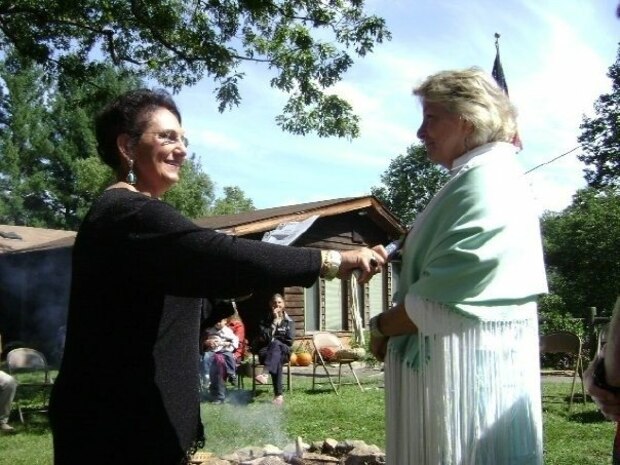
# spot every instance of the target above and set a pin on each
(295, 307)
(343, 232)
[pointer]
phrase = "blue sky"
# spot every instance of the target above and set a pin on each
(555, 55)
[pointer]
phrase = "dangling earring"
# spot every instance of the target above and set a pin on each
(131, 176)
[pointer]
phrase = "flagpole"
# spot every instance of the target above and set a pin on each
(500, 79)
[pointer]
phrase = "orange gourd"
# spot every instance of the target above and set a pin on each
(304, 359)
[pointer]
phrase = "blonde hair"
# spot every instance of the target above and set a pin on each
(275, 297)
(473, 95)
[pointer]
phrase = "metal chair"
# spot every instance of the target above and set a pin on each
(325, 340)
(566, 342)
(29, 367)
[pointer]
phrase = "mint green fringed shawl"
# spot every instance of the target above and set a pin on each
(476, 248)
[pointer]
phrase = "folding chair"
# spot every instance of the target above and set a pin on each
(566, 342)
(324, 342)
(29, 367)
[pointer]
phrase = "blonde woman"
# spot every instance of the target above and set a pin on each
(461, 343)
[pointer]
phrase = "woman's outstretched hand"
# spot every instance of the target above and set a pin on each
(368, 261)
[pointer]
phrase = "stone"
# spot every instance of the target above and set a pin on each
(316, 446)
(351, 444)
(313, 458)
(250, 452)
(365, 455)
(327, 452)
(270, 449)
(329, 445)
(215, 461)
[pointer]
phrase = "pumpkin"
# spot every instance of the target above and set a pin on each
(304, 359)
(293, 359)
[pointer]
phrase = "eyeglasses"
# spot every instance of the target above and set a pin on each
(170, 136)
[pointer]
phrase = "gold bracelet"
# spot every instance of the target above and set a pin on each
(330, 264)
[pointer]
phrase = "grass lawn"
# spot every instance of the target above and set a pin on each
(580, 437)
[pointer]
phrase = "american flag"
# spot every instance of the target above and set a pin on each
(500, 79)
(498, 73)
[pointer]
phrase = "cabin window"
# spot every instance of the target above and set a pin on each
(333, 305)
(375, 295)
(327, 303)
(313, 307)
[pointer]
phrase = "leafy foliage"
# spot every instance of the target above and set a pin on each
(581, 251)
(194, 193)
(50, 172)
(304, 43)
(233, 202)
(409, 183)
(554, 316)
(600, 138)
(49, 169)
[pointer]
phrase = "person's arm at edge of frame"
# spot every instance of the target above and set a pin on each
(393, 322)
(608, 401)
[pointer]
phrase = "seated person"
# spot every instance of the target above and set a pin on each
(238, 328)
(8, 387)
(218, 361)
(273, 345)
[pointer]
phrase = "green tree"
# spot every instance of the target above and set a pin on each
(194, 194)
(409, 183)
(22, 136)
(234, 201)
(304, 43)
(50, 172)
(49, 169)
(600, 138)
(582, 253)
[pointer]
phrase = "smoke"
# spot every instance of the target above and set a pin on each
(243, 422)
(34, 295)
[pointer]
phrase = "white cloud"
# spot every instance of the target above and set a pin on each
(555, 55)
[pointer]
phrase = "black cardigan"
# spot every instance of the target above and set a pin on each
(127, 389)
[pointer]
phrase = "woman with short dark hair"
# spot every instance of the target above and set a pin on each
(128, 387)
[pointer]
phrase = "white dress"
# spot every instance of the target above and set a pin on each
(465, 390)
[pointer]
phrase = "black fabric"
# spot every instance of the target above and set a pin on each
(215, 312)
(128, 387)
(273, 346)
(273, 357)
(284, 332)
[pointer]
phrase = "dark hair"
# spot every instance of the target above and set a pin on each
(128, 114)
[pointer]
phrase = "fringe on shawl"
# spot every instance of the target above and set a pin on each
(474, 397)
